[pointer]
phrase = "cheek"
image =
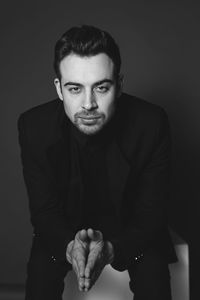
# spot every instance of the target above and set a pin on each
(108, 107)
(70, 108)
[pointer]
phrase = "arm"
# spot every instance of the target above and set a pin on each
(46, 210)
(149, 212)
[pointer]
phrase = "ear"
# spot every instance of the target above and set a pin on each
(120, 83)
(58, 88)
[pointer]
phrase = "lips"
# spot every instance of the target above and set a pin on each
(90, 118)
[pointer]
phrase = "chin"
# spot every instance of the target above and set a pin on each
(89, 130)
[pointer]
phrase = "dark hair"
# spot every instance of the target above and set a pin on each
(86, 41)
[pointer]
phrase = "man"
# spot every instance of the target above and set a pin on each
(96, 167)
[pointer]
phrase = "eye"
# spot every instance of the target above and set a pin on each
(102, 88)
(74, 90)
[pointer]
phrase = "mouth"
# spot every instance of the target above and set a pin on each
(89, 120)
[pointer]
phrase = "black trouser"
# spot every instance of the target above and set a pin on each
(149, 277)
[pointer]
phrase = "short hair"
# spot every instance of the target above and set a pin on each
(86, 41)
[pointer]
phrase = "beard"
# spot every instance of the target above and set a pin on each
(89, 123)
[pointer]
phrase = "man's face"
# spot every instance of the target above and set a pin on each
(88, 89)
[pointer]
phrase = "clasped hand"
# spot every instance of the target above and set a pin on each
(89, 253)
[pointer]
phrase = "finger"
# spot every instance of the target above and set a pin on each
(81, 284)
(75, 268)
(94, 235)
(87, 284)
(92, 258)
(89, 268)
(95, 274)
(79, 274)
(81, 267)
(82, 235)
(79, 259)
(80, 262)
(90, 233)
(95, 264)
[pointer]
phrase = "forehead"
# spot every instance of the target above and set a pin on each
(87, 69)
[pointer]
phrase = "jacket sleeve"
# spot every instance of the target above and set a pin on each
(149, 211)
(45, 208)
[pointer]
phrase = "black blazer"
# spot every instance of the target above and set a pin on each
(138, 164)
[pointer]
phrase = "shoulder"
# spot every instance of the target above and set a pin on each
(140, 122)
(40, 123)
(40, 112)
(136, 109)
(138, 114)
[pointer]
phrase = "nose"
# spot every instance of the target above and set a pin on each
(89, 102)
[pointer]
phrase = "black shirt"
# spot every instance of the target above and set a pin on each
(88, 166)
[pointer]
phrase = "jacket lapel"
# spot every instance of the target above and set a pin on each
(58, 151)
(118, 170)
(57, 155)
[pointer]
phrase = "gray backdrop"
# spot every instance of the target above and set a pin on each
(160, 48)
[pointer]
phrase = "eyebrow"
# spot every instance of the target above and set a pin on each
(95, 84)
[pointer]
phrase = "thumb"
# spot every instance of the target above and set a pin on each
(95, 235)
(82, 235)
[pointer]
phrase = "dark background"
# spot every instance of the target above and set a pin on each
(160, 47)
